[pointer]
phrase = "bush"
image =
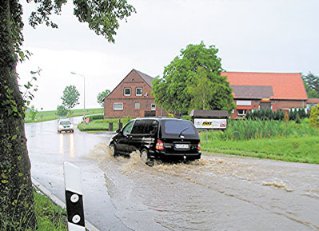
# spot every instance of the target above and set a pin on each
(61, 111)
(314, 116)
(296, 115)
(95, 117)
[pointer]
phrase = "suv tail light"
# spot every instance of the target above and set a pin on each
(159, 145)
(198, 147)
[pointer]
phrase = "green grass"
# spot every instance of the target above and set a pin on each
(51, 115)
(294, 149)
(101, 125)
(287, 141)
(50, 217)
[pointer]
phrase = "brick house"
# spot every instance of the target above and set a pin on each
(275, 91)
(132, 98)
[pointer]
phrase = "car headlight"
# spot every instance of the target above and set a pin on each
(71, 125)
(60, 126)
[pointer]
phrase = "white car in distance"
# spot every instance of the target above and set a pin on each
(65, 125)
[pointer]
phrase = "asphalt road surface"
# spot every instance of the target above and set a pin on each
(215, 193)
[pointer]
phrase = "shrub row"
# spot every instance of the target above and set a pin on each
(295, 115)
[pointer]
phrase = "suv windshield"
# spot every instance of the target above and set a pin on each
(179, 127)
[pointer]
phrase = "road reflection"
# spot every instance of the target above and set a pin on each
(67, 145)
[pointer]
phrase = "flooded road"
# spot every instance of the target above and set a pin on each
(215, 193)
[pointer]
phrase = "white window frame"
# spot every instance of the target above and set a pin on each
(243, 102)
(128, 89)
(153, 107)
(118, 109)
(136, 91)
(139, 105)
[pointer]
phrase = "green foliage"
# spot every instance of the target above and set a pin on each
(259, 129)
(30, 87)
(95, 117)
(101, 124)
(312, 85)
(61, 111)
(70, 97)
(193, 80)
(101, 96)
(33, 113)
(50, 216)
(102, 16)
(295, 115)
(294, 149)
(278, 140)
(314, 116)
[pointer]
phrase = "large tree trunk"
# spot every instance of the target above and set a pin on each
(16, 197)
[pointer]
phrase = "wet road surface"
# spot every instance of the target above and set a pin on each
(215, 193)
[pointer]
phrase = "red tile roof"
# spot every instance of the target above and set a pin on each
(285, 85)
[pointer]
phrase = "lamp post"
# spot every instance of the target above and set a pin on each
(74, 73)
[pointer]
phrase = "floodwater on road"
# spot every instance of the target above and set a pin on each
(214, 193)
(218, 192)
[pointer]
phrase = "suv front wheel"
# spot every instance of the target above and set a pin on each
(113, 151)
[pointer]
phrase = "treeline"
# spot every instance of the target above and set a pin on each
(295, 115)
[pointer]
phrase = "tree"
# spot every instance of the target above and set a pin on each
(312, 85)
(61, 111)
(101, 96)
(16, 198)
(70, 97)
(182, 87)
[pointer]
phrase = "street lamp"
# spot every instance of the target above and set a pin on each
(74, 73)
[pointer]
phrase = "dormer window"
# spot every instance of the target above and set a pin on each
(139, 91)
(127, 91)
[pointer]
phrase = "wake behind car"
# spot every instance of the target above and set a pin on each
(65, 125)
(158, 138)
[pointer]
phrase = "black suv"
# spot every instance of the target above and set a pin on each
(158, 138)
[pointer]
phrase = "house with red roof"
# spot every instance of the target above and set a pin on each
(132, 97)
(257, 90)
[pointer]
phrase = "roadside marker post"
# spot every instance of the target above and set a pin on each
(74, 197)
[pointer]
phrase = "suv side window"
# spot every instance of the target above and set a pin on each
(151, 127)
(128, 128)
(138, 127)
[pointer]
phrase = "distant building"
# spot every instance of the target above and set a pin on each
(275, 91)
(132, 97)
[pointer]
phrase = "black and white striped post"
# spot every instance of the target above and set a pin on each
(74, 197)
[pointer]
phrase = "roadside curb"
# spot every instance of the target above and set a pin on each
(89, 226)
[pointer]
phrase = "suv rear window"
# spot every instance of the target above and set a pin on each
(179, 127)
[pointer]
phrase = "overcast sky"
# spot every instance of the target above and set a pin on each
(251, 35)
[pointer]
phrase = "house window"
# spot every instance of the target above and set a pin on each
(241, 112)
(117, 106)
(139, 91)
(243, 102)
(153, 107)
(137, 105)
(127, 91)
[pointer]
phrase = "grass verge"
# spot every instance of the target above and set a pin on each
(293, 149)
(49, 216)
(101, 125)
(51, 115)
